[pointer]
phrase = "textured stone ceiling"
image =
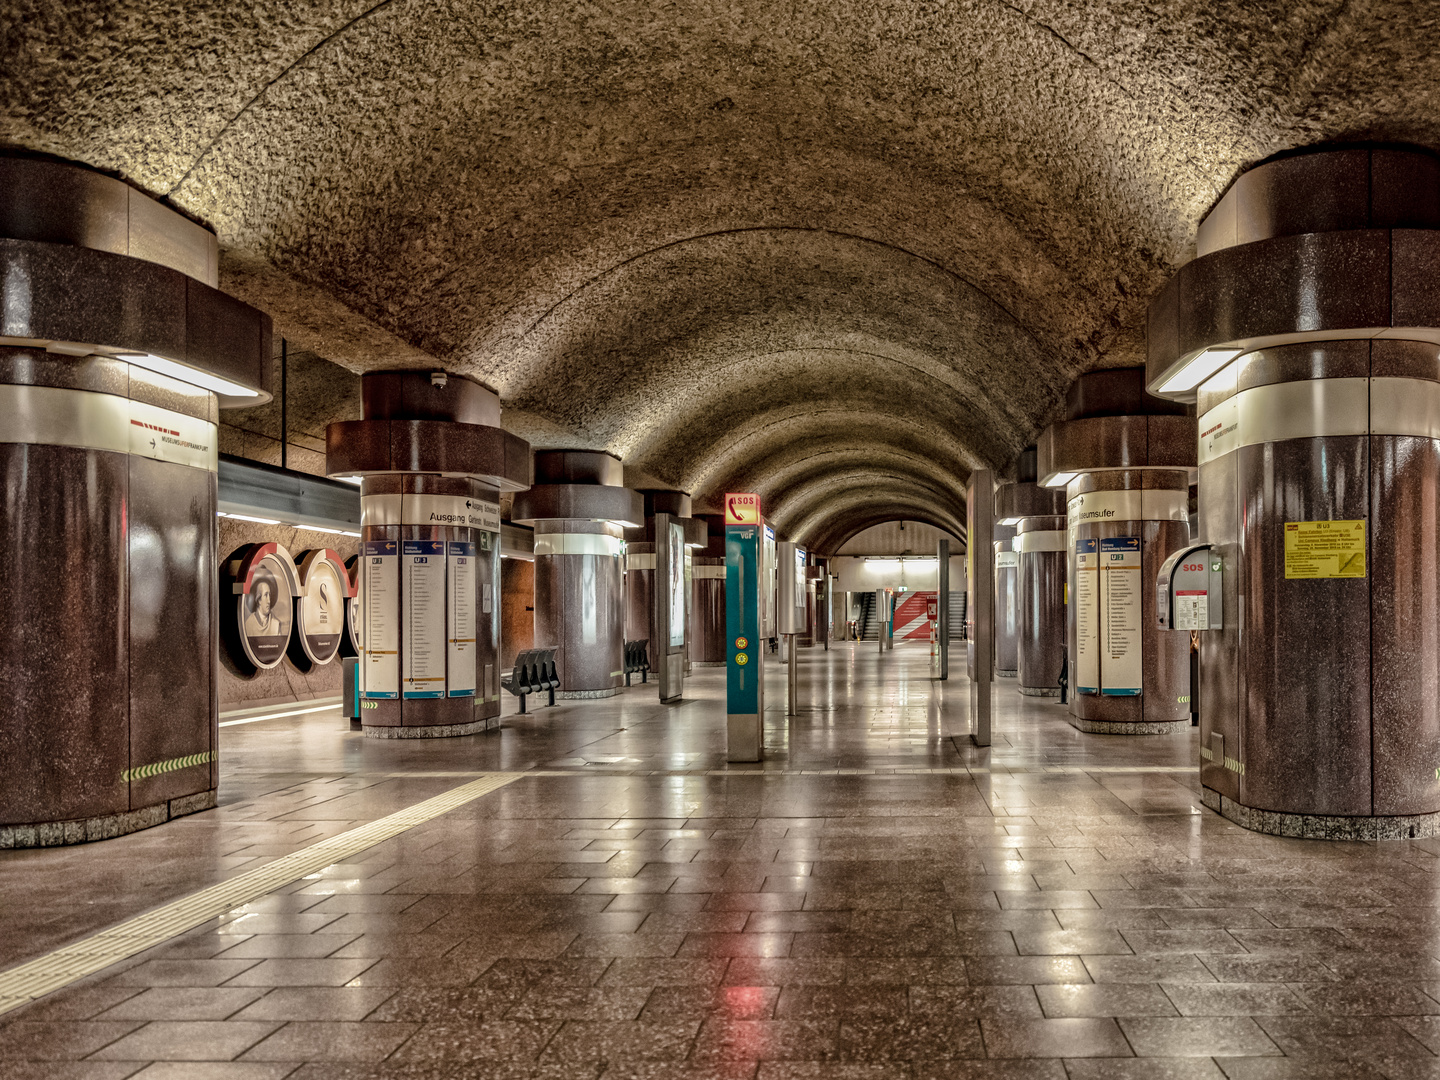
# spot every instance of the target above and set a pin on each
(836, 252)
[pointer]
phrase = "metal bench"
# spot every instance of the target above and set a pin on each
(534, 673)
(637, 658)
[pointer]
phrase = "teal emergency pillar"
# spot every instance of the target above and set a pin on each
(744, 651)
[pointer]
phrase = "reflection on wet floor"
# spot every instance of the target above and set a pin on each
(876, 899)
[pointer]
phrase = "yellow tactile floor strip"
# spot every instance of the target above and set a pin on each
(54, 970)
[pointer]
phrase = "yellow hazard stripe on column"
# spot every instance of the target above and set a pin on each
(55, 970)
(143, 772)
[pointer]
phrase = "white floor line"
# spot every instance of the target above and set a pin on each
(278, 715)
(251, 710)
(57, 969)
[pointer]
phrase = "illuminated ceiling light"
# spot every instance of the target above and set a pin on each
(356, 480)
(1060, 479)
(185, 373)
(1011, 520)
(1200, 368)
(287, 524)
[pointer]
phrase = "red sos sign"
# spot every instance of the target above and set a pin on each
(1193, 566)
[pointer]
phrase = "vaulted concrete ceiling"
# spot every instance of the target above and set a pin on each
(837, 252)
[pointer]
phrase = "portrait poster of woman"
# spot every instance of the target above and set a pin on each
(266, 614)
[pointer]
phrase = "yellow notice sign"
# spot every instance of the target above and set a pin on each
(1325, 549)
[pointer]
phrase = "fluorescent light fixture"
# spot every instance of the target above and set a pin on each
(1009, 521)
(185, 373)
(1200, 368)
(246, 517)
(287, 524)
(883, 564)
(356, 480)
(1060, 479)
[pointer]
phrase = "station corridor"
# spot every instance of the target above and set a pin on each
(877, 899)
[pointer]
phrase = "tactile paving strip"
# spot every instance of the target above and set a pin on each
(54, 970)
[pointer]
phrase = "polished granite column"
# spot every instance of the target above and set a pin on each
(433, 462)
(1007, 603)
(579, 509)
(1305, 333)
(1040, 544)
(707, 602)
(1125, 457)
(1324, 719)
(1014, 503)
(121, 354)
(640, 567)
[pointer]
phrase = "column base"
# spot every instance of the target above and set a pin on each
(1121, 727)
(105, 827)
(1007, 674)
(430, 731)
(1323, 826)
(587, 695)
(707, 663)
(1040, 691)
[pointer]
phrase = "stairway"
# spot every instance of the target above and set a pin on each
(957, 614)
(869, 624)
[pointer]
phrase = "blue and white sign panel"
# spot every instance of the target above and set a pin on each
(1122, 666)
(380, 586)
(424, 662)
(460, 660)
(1087, 617)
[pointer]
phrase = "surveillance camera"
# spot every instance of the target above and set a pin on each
(438, 379)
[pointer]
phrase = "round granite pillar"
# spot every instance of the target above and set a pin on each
(1324, 718)
(1135, 518)
(109, 632)
(640, 567)
(1014, 502)
(432, 460)
(1304, 331)
(414, 711)
(707, 601)
(579, 509)
(1040, 544)
(640, 594)
(1126, 459)
(580, 604)
(1007, 604)
(118, 354)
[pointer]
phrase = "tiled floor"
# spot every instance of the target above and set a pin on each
(878, 900)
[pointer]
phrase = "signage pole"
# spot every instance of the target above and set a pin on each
(790, 616)
(942, 600)
(980, 607)
(744, 648)
(794, 680)
(668, 615)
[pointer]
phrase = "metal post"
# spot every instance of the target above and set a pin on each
(943, 603)
(880, 619)
(284, 404)
(980, 613)
(794, 679)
